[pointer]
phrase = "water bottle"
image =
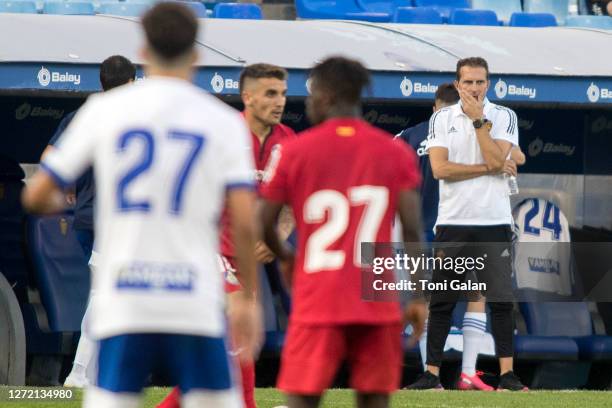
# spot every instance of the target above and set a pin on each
(512, 184)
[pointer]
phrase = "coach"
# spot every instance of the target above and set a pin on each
(468, 144)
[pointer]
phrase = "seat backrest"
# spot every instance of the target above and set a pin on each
(238, 11)
(557, 318)
(558, 8)
(444, 7)
(60, 270)
(198, 8)
(20, 7)
(383, 6)
(532, 20)
(601, 22)
(69, 8)
(124, 9)
(473, 17)
(503, 9)
(417, 15)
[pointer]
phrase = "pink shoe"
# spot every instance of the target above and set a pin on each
(473, 382)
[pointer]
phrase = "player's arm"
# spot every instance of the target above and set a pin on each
(270, 211)
(443, 169)
(517, 155)
(43, 195)
(241, 206)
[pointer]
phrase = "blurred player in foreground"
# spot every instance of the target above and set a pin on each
(166, 155)
(263, 88)
(340, 196)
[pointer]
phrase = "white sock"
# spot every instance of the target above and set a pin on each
(423, 347)
(87, 348)
(474, 326)
(208, 398)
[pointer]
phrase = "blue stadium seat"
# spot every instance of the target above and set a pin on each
(558, 8)
(238, 11)
(473, 17)
(601, 22)
(60, 270)
(444, 7)
(21, 7)
(417, 15)
(503, 9)
(198, 8)
(124, 9)
(338, 9)
(69, 8)
(532, 20)
(383, 6)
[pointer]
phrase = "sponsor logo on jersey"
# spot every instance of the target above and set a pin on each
(544, 265)
(26, 110)
(502, 89)
(538, 146)
(595, 93)
(46, 77)
(452, 130)
(407, 87)
(156, 276)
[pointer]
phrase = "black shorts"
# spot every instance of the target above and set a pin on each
(488, 274)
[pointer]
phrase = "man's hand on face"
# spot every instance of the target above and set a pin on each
(473, 107)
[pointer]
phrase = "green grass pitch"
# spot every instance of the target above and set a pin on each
(270, 397)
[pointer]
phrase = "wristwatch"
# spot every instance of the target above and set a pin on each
(478, 123)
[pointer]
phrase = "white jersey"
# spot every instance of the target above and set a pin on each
(542, 254)
(482, 200)
(164, 152)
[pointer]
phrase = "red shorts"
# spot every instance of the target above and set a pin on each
(312, 355)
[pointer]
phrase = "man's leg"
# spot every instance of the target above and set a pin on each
(85, 354)
(309, 362)
(474, 328)
(202, 369)
(372, 400)
(374, 376)
(303, 401)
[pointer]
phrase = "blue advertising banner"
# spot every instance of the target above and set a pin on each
(386, 85)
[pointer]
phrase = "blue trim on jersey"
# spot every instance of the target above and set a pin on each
(240, 184)
(193, 362)
(59, 180)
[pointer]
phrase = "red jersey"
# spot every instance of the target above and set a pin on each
(261, 153)
(342, 180)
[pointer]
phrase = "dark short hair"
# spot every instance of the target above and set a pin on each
(471, 62)
(170, 29)
(344, 78)
(116, 71)
(447, 94)
(256, 71)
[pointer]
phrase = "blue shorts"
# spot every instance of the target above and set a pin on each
(192, 362)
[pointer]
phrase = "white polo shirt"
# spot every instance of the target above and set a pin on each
(482, 200)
